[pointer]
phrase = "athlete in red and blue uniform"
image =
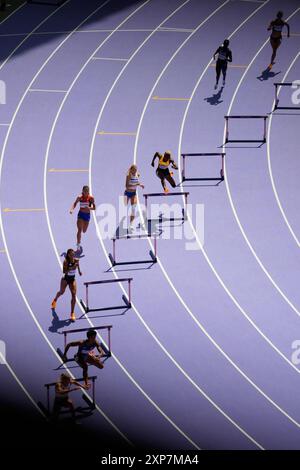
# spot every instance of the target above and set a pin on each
(276, 36)
(87, 203)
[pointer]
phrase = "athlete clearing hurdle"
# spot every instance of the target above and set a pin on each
(86, 204)
(131, 185)
(276, 36)
(85, 355)
(224, 56)
(62, 390)
(162, 171)
(70, 266)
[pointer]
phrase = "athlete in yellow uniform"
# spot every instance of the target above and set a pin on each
(162, 171)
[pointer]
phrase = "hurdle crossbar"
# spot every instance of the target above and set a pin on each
(126, 301)
(170, 219)
(153, 254)
(263, 140)
(220, 154)
(277, 86)
(91, 403)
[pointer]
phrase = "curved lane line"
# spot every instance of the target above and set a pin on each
(2, 226)
(3, 360)
(116, 275)
(293, 307)
(53, 241)
(285, 218)
(197, 238)
(31, 33)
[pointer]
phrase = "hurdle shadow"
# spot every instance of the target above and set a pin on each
(57, 324)
(267, 74)
(85, 316)
(225, 145)
(214, 100)
(204, 185)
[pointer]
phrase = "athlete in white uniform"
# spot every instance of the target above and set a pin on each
(131, 185)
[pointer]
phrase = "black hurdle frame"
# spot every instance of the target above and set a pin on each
(184, 155)
(54, 3)
(277, 85)
(91, 404)
(126, 304)
(171, 219)
(153, 254)
(242, 141)
(107, 350)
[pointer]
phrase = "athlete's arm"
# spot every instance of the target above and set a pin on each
(288, 28)
(74, 205)
(174, 165)
(156, 155)
(217, 52)
(72, 345)
(99, 349)
(271, 25)
(92, 204)
(78, 267)
(229, 57)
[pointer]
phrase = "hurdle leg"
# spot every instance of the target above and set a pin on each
(183, 168)
(222, 169)
(265, 129)
(226, 130)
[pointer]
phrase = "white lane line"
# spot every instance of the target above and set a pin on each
(58, 255)
(154, 404)
(41, 90)
(3, 360)
(196, 236)
(279, 290)
(12, 13)
(109, 58)
(32, 32)
(4, 236)
(285, 218)
(115, 273)
(234, 300)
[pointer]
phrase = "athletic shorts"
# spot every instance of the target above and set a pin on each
(86, 216)
(130, 194)
(275, 41)
(163, 173)
(69, 279)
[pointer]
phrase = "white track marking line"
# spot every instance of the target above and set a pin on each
(196, 236)
(32, 32)
(58, 256)
(41, 90)
(2, 226)
(116, 275)
(12, 13)
(205, 254)
(3, 360)
(285, 218)
(279, 290)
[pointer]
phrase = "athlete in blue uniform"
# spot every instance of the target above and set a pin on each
(85, 354)
(131, 184)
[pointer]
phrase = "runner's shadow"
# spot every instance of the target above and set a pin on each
(214, 100)
(266, 75)
(57, 324)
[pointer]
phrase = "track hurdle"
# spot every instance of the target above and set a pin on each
(107, 350)
(170, 219)
(277, 86)
(153, 254)
(258, 141)
(90, 402)
(185, 178)
(126, 301)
